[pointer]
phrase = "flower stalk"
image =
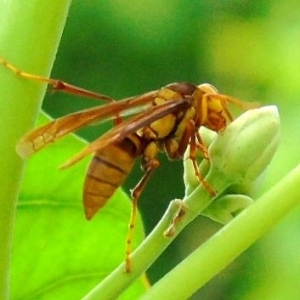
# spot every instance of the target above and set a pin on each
(228, 167)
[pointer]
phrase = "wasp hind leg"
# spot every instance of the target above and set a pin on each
(149, 165)
(56, 84)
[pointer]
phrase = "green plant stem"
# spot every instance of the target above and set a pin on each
(218, 252)
(231, 164)
(113, 285)
(29, 36)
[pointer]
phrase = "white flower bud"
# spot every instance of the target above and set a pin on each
(238, 157)
(247, 145)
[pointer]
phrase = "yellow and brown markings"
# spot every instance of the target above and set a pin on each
(165, 120)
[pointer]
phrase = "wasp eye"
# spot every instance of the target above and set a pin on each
(207, 88)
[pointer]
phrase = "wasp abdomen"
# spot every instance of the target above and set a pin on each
(107, 171)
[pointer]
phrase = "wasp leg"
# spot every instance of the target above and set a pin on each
(193, 133)
(175, 149)
(56, 84)
(201, 146)
(149, 166)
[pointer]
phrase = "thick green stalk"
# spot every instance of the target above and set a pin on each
(30, 32)
(213, 256)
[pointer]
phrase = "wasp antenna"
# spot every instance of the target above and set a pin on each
(242, 104)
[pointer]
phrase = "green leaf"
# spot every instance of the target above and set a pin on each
(57, 254)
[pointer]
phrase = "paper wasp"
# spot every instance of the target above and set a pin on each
(165, 120)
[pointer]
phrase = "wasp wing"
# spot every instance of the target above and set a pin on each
(129, 126)
(58, 128)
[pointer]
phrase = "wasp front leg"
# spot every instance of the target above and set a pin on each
(201, 145)
(175, 149)
(150, 163)
(193, 158)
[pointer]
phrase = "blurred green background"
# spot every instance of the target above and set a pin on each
(247, 49)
